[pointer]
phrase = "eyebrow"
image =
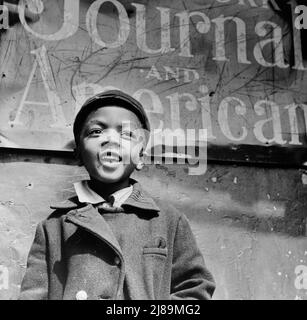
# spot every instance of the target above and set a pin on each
(100, 123)
(124, 124)
(131, 124)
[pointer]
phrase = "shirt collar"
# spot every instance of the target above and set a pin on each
(138, 199)
(87, 195)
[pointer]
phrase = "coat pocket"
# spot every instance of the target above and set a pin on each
(155, 251)
(154, 256)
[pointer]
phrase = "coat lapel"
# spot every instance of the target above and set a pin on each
(141, 200)
(89, 219)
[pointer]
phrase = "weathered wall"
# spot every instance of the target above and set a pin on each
(249, 222)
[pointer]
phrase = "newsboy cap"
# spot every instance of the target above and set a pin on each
(109, 98)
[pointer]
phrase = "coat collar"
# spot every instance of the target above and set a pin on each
(88, 217)
(91, 220)
(138, 199)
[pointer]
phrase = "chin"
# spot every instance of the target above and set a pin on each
(110, 180)
(112, 177)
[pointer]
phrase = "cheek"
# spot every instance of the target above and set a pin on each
(131, 149)
(87, 153)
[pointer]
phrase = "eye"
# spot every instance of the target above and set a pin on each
(95, 132)
(127, 134)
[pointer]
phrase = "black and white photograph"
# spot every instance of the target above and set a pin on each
(153, 150)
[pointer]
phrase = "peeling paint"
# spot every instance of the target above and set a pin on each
(30, 186)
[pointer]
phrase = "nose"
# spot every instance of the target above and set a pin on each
(111, 136)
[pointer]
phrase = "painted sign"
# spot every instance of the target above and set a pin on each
(227, 73)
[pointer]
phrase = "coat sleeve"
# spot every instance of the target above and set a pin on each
(35, 282)
(190, 277)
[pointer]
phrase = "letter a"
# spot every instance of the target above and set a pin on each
(301, 20)
(53, 100)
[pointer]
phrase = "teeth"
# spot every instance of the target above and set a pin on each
(110, 156)
(111, 159)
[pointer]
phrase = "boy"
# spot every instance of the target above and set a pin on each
(112, 241)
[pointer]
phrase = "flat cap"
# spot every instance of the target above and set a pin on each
(110, 98)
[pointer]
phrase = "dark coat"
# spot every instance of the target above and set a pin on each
(142, 253)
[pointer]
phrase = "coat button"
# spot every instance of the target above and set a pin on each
(117, 261)
(81, 295)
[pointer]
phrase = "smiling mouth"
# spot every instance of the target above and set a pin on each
(110, 157)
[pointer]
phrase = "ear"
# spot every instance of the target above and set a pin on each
(77, 155)
(141, 161)
(140, 166)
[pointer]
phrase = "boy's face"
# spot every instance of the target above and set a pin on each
(110, 143)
